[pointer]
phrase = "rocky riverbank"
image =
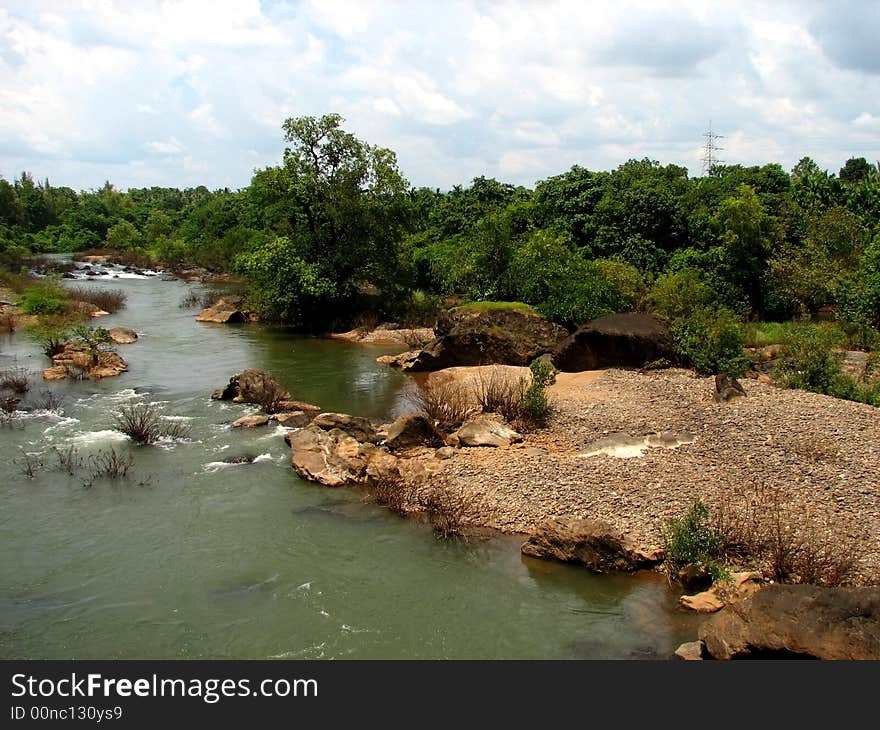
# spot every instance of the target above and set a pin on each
(822, 451)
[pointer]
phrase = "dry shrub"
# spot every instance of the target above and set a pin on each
(109, 464)
(29, 465)
(448, 510)
(795, 541)
(447, 402)
(270, 397)
(68, 459)
(203, 299)
(365, 322)
(143, 424)
(497, 391)
(15, 379)
(7, 322)
(74, 371)
(417, 337)
(110, 300)
(390, 491)
(49, 401)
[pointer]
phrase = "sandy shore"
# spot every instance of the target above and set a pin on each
(825, 452)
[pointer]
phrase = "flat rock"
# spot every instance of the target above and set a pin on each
(358, 428)
(798, 621)
(412, 430)
(293, 419)
(329, 457)
(591, 543)
(484, 432)
(705, 602)
(690, 651)
(229, 310)
(250, 421)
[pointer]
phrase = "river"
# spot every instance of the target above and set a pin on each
(190, 557)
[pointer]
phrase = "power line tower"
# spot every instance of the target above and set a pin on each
(710, 159)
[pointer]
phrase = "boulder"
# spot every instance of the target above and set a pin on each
(329, 457)
(616, 340)
(705, 602)
(727, 387)
(56, 372)
(253, 386)
(482, 336)
(250, 421)
(123, 335)
(483, 432)
(591, 543)
(411, 430)
(229, 310)
(77, 358)
(690, 651)
(721, 593)
(404, 360)
(358, 428)
(298, 405)
(798, 621)
(293, 419)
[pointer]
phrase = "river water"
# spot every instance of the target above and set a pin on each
(190, 557)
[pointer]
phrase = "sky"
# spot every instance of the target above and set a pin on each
(194, 93)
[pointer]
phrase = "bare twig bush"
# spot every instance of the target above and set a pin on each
(365, 322)
(69, 459)
(795, 542)
(390, 491)
(201, 299)
(75, 372)
(15, 379)
(143, 424)
(49, 401)
(110, 300)
(415, 338)
(446, 402)
(8, 406)
(110, 464)
(448, 511)
(29, 465)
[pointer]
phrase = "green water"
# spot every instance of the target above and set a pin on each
(191, 558)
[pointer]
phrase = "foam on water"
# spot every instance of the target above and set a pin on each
(214, 466)
(87, 438)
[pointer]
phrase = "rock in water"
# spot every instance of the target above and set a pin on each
(477, 336)
(123, 335)
(800, 621)
(727, 387)
(250, 421)
(252, 386)
(411, 430)
(293, 419)
(229, 310)
(591, 543)
(332, 457)
(616, 340)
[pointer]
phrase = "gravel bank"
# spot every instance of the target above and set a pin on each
(825, 452)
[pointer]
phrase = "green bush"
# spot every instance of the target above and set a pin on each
(535, 407)
(626, 281)
(43, 299)
(692, 540)
(678, 294)
(711, 339)
(808, 361)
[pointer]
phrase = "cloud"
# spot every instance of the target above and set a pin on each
(194, 92)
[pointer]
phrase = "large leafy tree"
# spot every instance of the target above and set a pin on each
(342, 204)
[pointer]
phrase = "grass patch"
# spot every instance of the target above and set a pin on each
(487, 306)
(761, 334)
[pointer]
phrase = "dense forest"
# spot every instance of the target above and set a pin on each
(336, 230)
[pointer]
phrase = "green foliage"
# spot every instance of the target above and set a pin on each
(692, 540)
(285, 286)
(711, 340)
(809, 361)
(626, 281)
(44, 298)
(562, 286)
(678, 294)
(535, 407)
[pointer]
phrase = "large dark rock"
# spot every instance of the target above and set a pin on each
(412, 430)
(616, 340)
(591, 543)
(798, 621)
(252, 386)
(475, 336)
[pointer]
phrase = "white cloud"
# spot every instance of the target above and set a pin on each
(187, 93)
